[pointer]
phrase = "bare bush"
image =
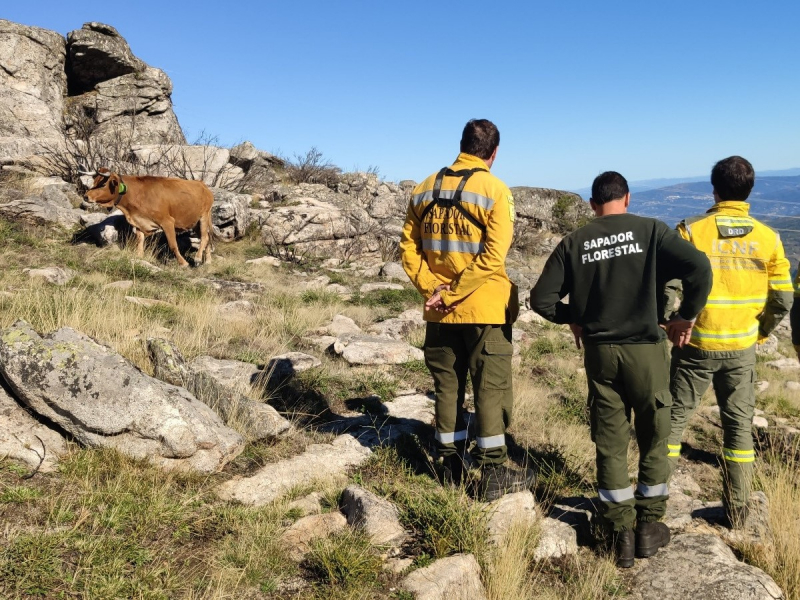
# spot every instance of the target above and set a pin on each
(312, 168)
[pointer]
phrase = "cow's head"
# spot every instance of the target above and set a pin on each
(106, 188)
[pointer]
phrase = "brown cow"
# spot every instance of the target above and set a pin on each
(151, 204)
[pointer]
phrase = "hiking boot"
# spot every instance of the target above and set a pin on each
(650, 537)
(736, 516)
(452, 470)
(624, 548)
(497, 480)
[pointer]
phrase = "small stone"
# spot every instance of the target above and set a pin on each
(376, 516)
(54, 275)
(507, 511)
(556, 539)
(269, 261)
(792, 385)
(151, 268)
(120, 285)
(398, 565)
(760, 423)
(308, 505)
(785, 364)
(291, 363)
(146, 302)
(454, 577)
(761, 386)
(299, 536)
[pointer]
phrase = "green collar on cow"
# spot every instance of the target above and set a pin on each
(121, 190)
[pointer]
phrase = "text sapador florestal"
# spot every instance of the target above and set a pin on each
(610, 246)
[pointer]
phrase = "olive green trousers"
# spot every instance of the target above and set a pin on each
(625, 379)
(732, 375)
(484, 352)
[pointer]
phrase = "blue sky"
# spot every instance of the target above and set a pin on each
(647, 89)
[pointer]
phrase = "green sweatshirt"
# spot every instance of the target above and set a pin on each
(614, 270)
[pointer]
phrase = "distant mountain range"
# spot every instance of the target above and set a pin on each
(775, 195)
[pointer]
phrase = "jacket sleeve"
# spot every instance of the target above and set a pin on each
(553, 284)
(794, 314)
(497, 241)
(685, 262)
(413, 257)
(779, 292)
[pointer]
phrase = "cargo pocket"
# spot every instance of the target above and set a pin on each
(496, 365)
(662, 418)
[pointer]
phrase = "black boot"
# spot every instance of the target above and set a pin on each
(650, 537)
(736, 516)
(497, 480)
(453, 470)
(624, 548)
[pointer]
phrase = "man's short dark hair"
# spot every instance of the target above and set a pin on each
(733, 178)
(480, 138)
(608, 186)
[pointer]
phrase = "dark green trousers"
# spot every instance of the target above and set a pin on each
(625, 378)
(483, 351)
(732, 374)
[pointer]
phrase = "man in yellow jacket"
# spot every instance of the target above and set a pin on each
(752, 292)
(456, 236)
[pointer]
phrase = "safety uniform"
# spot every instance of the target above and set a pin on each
(457, 232)
(614, 270)
(752, 292)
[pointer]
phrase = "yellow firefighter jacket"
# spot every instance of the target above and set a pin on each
(448, 248)
(752, 290)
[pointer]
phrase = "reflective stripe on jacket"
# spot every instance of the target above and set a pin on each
(448, 249)
(752, 289)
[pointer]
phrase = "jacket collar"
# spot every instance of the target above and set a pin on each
(468, 161)
(730, 207)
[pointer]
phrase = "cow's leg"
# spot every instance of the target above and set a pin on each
(169, 230)
(205, 241)
(139, 241)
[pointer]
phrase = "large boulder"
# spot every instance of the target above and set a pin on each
(101, 399)
(32, 87)
(707, 568)
(230, 214)
(97, 53)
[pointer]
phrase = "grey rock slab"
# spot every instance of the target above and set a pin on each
(340, 290)
(507, 511)
(417, 407)
(123, 285)
(270, 261)
(378, 517)
(54, 275)
(374, 350)
(236, 308)
(35, 211)
(298, 538)
(700, 566)
(768, 347)
(24, 439)
(784, 364)
(395, 329)
(792, 385)
(453, 578)
(761, 386)
(756, 529)
(319, 461)
(100, 398)
(760, 423)
(237, 289)
(366, 288)
(146, 302)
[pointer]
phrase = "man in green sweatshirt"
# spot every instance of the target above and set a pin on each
(614, 270)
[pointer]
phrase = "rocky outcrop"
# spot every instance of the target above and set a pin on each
(257, 420)
(707, 568)
(230, 214)
(299, 537)
(32, 87)
(97, 53)
(543, 215)
(101, 399)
